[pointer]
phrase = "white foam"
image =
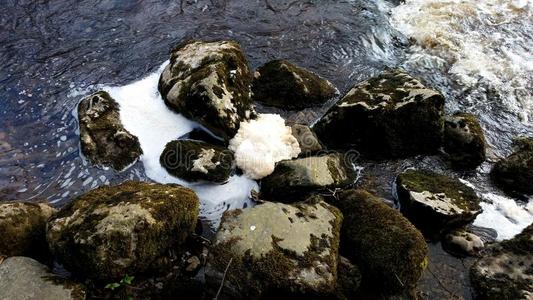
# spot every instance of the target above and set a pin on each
(262, 142)
(144, 114)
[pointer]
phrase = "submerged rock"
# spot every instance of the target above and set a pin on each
(514, 174)
(112, 231)
(195, 160)
(23, 278)
(104, 140)
(389, 116)
(278, 249)
(209, 82)
(506, 271)
(282, 84)
(462, 243)
(22, 228)
(307, 139)
(388, 249)
(464, 141)
(295, 179)
(435, 202)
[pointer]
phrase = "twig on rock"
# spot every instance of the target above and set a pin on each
(223, 279)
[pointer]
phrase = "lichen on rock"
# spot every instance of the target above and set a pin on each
(117, 230)
(104, 140)
(460, 242)
(464, 141)
(307, 139)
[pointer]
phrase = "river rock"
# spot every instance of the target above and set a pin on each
(104, 140)
(307, 139)
(435, 202)
(348, 279)
(281, 84)
(460, 242)
(505, 272)
(514, 174)
(293, 180)
(464, 141)
(112, 231)
(209, 82)
(390, 252)
(392, 115)
(195, 160)
(22, 228)
(279, 249)
(22, 278)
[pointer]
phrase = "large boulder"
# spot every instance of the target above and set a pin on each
(104, 140)
(295, 179)
(22, 228)
(435, 202)
(464, 141)
(278, 249)
(112, 231)
(307, 139)
(195, 160)
(390, 252)
(506, 271)
(282, 84)
(514, 174)
(209, 82)
(22, 278)
(389, 116)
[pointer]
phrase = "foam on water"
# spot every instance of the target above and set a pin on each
(482, 45)
(144, 114)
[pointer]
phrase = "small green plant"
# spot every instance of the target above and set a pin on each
(125, 281)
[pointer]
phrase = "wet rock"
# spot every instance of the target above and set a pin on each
(112, 231)
(22, 229)
(209, 82)
(307, 139)
(464, 141)
(281, 84)
(462, 243)
(390, 252)
(195, 160)
(278, 249)
(505, 272)
(104, 140)
(514, 174)
(435, 202)
(390, 116)
(349, 279)
(23, 278)
(293, 180)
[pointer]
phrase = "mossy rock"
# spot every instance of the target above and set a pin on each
(22, 229)
(514, 174)
(392, 115)
(464, 141)
(104, 140)
(112, 231)
(349, 279)
(435, 202)
(276, 249)
(390, 252)
(209, 82)
(25, 278)
(506, 271)
(307, 139)
(294, 180)
(281, 84)
(195, 160)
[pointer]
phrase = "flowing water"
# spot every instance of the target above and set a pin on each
(477, 53)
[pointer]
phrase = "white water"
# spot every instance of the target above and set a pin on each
(145, 115)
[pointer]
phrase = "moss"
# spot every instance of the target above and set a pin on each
(464, 141)
(110, 254)
(514, 174)
(389, 250)
(282, 84)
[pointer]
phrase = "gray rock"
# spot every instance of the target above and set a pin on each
(505, 272)
(462, 243)
(389, 116)
(464, 141)
(307, 139)
(112, 231)
(294, 180)
(22, 228)
(22, 278)
(279, 248)
(514, 174)
(209, 82)
(104, 140)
